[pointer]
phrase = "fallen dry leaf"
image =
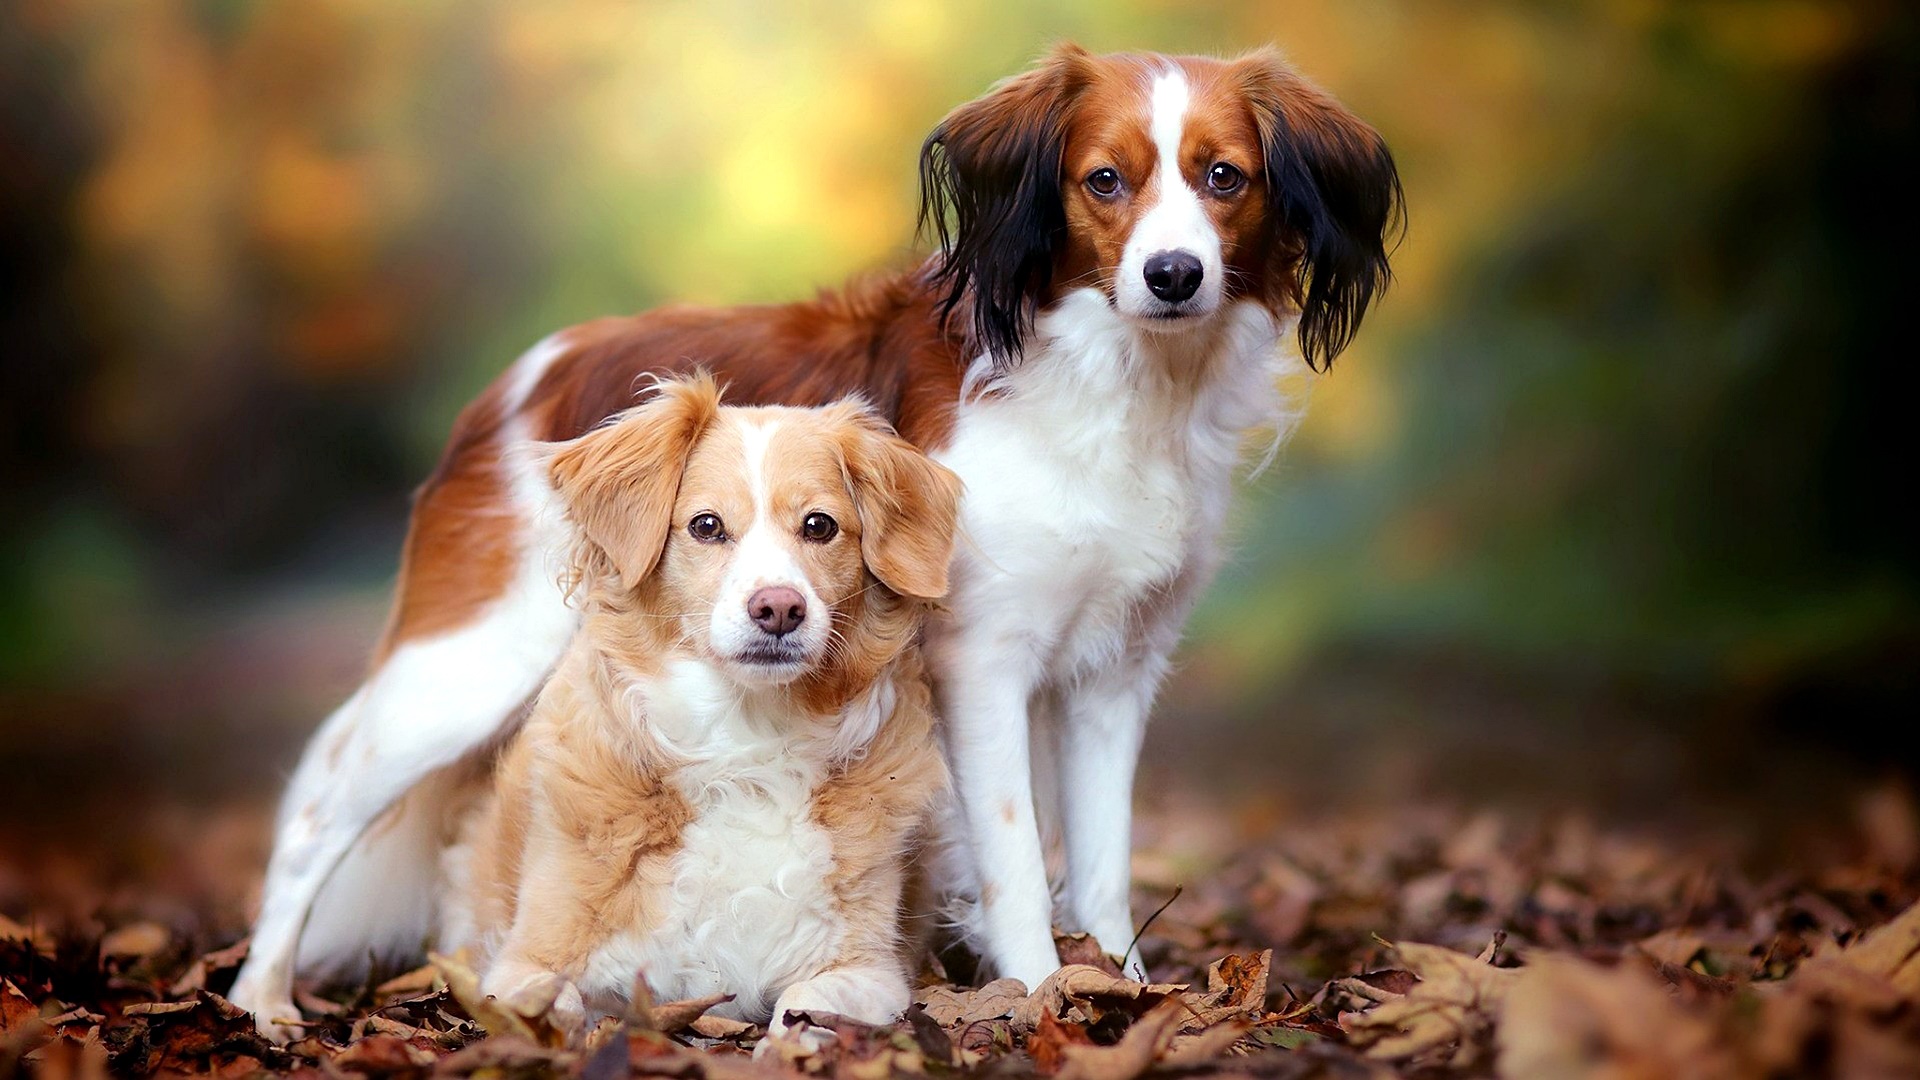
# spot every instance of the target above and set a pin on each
(950, 1006)
(1083, 949)
(1193, 1050)
(1891, 952)
(136, 941)
(1236, 990)
(1085, 992)
(219, 960)
(1676, 947)
(1048, 1043)
(719, 1027)
(421, 980)
(1564, 1017)
(159, 1008)
(16, 1008)
(676, 1016)
(1144, 1043)
(494, 1016)
(382, 1055)
(1447, 1017)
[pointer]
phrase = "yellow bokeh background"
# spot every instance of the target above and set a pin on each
(273, 248)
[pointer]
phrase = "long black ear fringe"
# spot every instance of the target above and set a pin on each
(1339, 193)
(1001, 189)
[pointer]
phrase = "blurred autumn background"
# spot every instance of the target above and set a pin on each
(1608, 511)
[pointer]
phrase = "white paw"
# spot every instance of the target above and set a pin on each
(532, 992)
(266, 1011)
(267, 1004)
(1112, 939)
(791, 1043)
(1032, 970)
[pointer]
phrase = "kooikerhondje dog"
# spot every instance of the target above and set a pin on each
(720, 786)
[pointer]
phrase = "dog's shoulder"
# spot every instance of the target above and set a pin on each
(893, 783)
(598, 774)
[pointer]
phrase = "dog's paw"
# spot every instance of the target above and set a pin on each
(793, 1042)
(537, 994)
(269, 1010)
(268, 1004)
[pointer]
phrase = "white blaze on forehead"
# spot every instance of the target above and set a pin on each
(1174, 218)
(1167, 118)
(761, 557)
(754, 439)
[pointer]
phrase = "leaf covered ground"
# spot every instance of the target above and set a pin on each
(1396, 943)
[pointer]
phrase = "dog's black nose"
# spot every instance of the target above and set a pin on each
(1174, 276)
(777, 609)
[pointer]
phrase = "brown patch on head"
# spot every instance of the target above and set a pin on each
(1108, 129)
(793, 455)
(619, 481)
(681, 596)
(1222, 160)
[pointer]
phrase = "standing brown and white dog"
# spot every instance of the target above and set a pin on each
(720, 785)
(1127, 242)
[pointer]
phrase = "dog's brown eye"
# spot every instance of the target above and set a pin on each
(1224, 179)
(819, 528)
(706, 528)
(1103, 182)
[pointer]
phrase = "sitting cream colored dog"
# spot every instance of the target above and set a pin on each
(721, 785)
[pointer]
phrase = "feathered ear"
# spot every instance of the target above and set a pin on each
(994, 165)
(909, 507)
(619, 481)
(1335, 202)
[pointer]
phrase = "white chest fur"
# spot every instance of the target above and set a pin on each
(750, 907)
(1098, 476)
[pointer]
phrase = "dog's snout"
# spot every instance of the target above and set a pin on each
(777, 609)
(1174, 276)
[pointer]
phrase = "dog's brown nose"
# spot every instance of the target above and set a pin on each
(777, 609)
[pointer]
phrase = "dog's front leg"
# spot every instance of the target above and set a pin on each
(983, 705)
(1100, 747)
(870, 993)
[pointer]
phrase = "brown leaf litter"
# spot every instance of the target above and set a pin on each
(1405, 943)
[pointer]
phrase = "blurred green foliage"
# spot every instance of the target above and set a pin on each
(1652, 432)
(1628, 412)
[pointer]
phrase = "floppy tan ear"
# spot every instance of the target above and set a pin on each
(619, 481)
(908, 506)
